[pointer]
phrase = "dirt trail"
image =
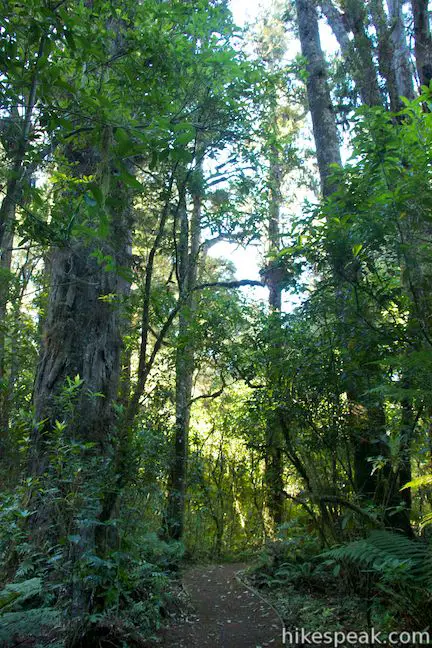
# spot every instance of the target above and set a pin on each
(227, 614)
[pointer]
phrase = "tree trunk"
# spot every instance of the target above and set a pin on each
(386, 54)
(369, 424)
(423, 41)
(188, 251)
(407, 429)
(16, 177)
(144, 363)
(82, 338)
(320, 105)
(326, 141)
(356, 16)
(5, 277)
(324, 130)
(401, 62)
(367, 420)
(356, 52)
(337, 24)
(274, 441)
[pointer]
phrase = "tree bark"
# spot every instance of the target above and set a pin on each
(368, 424)
(422, 41)
(336, 21)
(274, 441)
(356, 17)
(401, 62)
(320, 105)
(188, 254)
(82, 337)
(354, 52)
(386, 54)
(5, 269)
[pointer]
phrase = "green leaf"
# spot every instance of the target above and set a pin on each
(91, 202)
(425, 480)
(130, 179)
(124, 143)
(96, 192)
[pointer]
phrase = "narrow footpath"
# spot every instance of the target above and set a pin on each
(226, 613)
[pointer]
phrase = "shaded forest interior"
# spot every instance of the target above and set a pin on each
(163, 404)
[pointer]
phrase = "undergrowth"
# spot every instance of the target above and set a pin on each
(382, 580)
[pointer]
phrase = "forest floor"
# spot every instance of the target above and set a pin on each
(226, 613)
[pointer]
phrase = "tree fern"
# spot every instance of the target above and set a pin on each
(383, 551)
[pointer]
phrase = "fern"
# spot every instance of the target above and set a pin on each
(384, 552)
(419, 482)
(28, 623)
(427, 519)
(20, 592)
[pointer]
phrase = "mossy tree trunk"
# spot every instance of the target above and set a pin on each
(77, 382)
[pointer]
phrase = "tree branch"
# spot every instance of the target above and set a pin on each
(215, 394)
(145, 367)
(230, 284)
(341, 501)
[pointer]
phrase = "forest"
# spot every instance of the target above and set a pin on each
(215, 322)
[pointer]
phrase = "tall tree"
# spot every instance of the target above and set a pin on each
(187, 271)
(367, 414)
(422, 40)
(358, 52)
(274, 441)
(401, 61)
(24, 69)
(385, 53)
(320, 104)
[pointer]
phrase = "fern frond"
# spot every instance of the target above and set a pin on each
(31, 623)
(20, 592)
(425, 480)
(383, 551)
(426, 520)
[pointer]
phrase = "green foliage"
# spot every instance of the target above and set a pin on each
(25, 610)
(401, 569)
(39, 623)
(419, 482)
(384, 552)
(22, 591)
(290, 560)
(149, 122)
